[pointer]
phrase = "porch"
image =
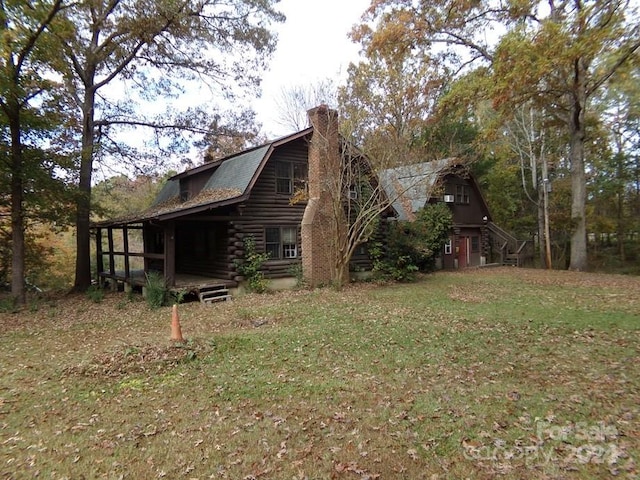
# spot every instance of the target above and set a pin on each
(183, 281)
(188, 260)
(207, 289)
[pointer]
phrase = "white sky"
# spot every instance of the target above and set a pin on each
(312, 46)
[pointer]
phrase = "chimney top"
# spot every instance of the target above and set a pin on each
(322, 110)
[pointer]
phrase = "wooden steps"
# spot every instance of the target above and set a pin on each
(511, 259)
(213, 293)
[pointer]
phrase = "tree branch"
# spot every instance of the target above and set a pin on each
(609, 73)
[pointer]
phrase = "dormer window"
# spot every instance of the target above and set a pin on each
(184, 192)
(462, 194)
(290, 177)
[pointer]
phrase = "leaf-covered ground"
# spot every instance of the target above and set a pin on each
(495, 373)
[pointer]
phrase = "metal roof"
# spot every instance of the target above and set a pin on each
(409, 187)
(171, 189)
(237, 172)
(230, 182)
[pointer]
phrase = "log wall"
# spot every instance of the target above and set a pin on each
(209, 246)
(266, 208)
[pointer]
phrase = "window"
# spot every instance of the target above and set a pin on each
(290, 177)
(281, 242)
(447, 248)
(184, 191)
(284, 178)
(462, 194)
(475, 244)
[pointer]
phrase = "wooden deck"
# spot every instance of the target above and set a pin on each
(194, 282)
(183, 281)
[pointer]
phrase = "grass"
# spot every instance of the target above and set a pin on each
(505, 373)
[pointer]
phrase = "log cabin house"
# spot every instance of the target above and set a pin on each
(193, 233)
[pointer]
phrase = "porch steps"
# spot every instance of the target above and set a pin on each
(213, 293)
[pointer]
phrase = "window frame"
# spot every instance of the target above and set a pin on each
(475, 244)
(286, 250)
(295, 178)
(185, 192)
(448, 247)
(462, 194)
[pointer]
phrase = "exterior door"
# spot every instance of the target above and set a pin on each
(463, 252)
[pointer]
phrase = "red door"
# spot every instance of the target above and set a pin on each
(463, 260)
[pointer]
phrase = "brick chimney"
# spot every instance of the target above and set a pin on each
(318, 222)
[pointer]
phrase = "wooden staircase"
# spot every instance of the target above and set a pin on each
(513, 252)
(213, 293)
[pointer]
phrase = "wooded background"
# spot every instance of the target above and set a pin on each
(540, 98)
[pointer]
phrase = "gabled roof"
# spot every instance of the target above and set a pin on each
(230, 182)
(410, 186)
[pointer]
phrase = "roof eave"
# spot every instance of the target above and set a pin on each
(200, 208)
(172, 214)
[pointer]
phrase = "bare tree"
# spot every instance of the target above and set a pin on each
(294, 101)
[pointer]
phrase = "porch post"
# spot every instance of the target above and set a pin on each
(456, 247)
(170, 253)
(125, 244)
(112, 266)
(145, 248)
(99, 259)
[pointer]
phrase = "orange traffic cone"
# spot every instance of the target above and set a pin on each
(176, 331)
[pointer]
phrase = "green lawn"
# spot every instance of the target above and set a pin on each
(506, 373)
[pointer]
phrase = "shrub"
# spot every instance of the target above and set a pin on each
(178, 296)
(413, 246)
(250, 267)
(8, 305)
(386, 266)
(95, 294)
(296, 271)
(157, 293)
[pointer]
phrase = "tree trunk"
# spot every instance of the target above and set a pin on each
(83, 201)
(17, 212)
(621, 231)
(339, 275)
(578, 260)
(547, 224)
(541, 234)
(620, 220)
(341, 250)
